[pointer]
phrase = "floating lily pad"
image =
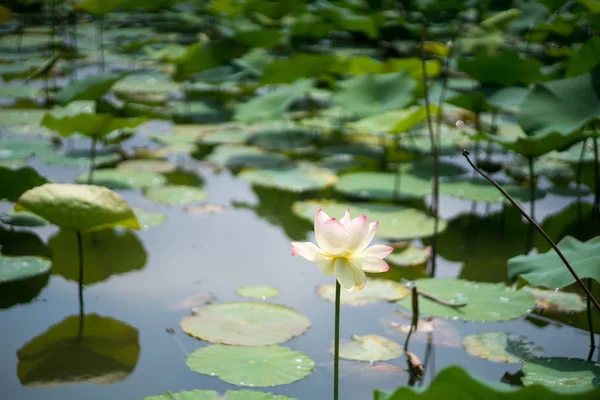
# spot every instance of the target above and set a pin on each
(99, 350)
(205, 209)
(502, 347)
(114, 178)
(15, 148)
(383, 185)
(258, 292)
(395, 222)
(80, 158)
(105, 253)
(563, 375)
(409, 255)
(212, 395)
(296, 178)
(149, 165)
(556, 300)
(284, 139)
(78, 207)
(231, 136)
(376, 290)
(92, 87)
(148, 219)
(18, 268)
(22, 218)
(251, 366)
(477, 189)
(485, 302)
(175, 194)
(370, 348)
(548, 270)
(245, 156)
(245, 324)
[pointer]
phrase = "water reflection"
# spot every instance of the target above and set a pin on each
(105, 253)
(484, 243)
(275, 207)
(22, 243)
(104, 352)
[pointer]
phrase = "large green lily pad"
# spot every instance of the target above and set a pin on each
(485, 302)
(105, 253)
(100, 350)
(370, 94)
(396, 121)
(383, 185)
(370, 348)
(548, 270)
(22, 218)
(562, 375)
(395, 222)
(502, 347)
(237, 156)
(92, 87)
(18, 268)
(114, 178)
(16, 182)
(175, 194)
(80, 158)
(507, 68)
(408, 255)
(291, 139)
(148, 219)
(376, 290)
(17, 148)
(300, 177)
(251, 366)
(477, 189)
(455, 383)
(148, 165)
(258, 292)
(245, 323)
(561, 106)
(78, 207)
(212, 395)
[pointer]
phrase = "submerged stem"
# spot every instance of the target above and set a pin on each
(590, 323)
(336, 345)
(539, 229)
(81, 311)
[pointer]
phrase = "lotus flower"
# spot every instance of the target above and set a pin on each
(343, 250)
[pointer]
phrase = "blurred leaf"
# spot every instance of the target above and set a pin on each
(585, 58)
(199, 57)
(16, 182)
(507, 68)
(96, 7)
(92, 87)
(393, 121)
(299, 65)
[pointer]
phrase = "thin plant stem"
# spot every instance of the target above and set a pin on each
(101, 41)
(81, 310)
(92, 161)
(398, 174)
(539, 229)
(578, 178)
(336, 341)
(596, 206)
(530, 161)
(434, 151)
(590, 323)
(415, 315)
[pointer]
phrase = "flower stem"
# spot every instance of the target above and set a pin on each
(539, 229)
(81, 312)
(336, 346)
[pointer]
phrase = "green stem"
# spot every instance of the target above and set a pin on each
(578, 179)
(596, 206)
(336, 346)
(81, 310)
(590, 322)
(530, 161)
(92, 161)
(101, 40)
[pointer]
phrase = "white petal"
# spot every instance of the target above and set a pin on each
(344, 274)
(371, 264)
(326, 266)
(368, 237)
(378, 250)
(320, 219)
(360, 279)
(307, 250)
(345, 221)
(332, 238)
(357, 230)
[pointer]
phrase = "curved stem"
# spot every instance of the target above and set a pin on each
(539, 229)
(336, 345)
(81, 310)
(92, 161)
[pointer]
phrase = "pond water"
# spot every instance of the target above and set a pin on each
(139, 284)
